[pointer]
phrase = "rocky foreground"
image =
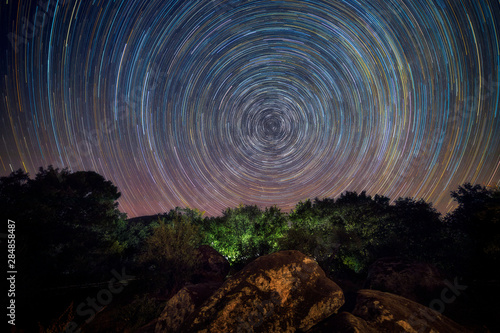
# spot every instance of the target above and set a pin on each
(288, 292)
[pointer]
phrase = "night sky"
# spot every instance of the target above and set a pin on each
(209, 104)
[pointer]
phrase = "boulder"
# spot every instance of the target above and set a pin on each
(183, 304)
(213, 267)
(281, 292)
(377, 311)
(419, 282)
(386, 312)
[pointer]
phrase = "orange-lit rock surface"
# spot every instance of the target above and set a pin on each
(281, 292)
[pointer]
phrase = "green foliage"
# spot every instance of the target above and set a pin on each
(128, 237)
(348, 234)
(340, 234)
(313, 230)
(363, 219)
(77, 217)
(170, 252)
(246, 232)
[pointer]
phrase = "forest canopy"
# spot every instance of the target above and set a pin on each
(72, 221)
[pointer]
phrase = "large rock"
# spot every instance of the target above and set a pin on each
(377, 311)
(280, 292)
(183, 304)
(392, 313)
(213, 266)
(419, 282)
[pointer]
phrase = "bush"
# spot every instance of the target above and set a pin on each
(246, 232)
(170, 254)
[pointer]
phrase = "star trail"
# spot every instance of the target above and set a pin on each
(209, 104)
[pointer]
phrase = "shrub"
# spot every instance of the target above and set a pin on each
(170, 254)
(246, 232)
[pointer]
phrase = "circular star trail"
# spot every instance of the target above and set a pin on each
(209, 104)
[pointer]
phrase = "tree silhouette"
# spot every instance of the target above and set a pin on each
(63, 224)
(63, 220)
(474, 227)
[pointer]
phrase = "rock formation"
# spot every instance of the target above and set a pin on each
(281, 292)
(419, 282)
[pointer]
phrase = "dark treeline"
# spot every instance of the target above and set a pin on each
(69, 232)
